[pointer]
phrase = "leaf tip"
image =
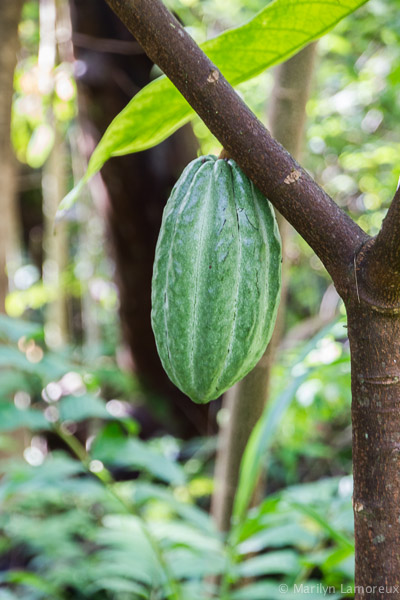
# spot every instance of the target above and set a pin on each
(69, 200)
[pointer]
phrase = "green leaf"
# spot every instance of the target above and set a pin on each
(288, 534)
(7, 595)
(146, 492)
(119, 585)
(127, 551)
(261, 590)
(197, 590)
(79, 408)
(32, 580)
(50, 367)
(12, 329)
(342, 560)
(286, 562)
(12, 381)
(113, 448)
(57, 469)
(175, 533)
(12, 418)
(272, 36)
(333, 533)
(185, 563)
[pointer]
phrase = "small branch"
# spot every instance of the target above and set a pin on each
(387, 242)
(379, 261)
(327, 229)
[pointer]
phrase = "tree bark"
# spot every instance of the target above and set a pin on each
(10, 14)
(365, 271)
(373, 310)
(375, 371)
(245, 402)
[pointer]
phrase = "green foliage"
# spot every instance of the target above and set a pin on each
(12, 418)
(277, 32)
(77, 529)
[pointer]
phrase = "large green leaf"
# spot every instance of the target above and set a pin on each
(112, 447)
(284, 561)
(13, 329)
(336, 535)
(12, 418)
(79, 408)
(276, 33)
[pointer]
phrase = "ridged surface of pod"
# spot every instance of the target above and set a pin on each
(216, 278)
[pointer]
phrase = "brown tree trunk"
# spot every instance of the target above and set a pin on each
(245, 402)
(10, 13)
(375, 371)
(113, 69)
(372, 298)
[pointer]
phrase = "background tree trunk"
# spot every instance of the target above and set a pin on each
(111, 69)
(55, 244)
(10, 13)
(245, 402)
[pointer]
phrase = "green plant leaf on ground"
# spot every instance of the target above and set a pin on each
(336, 535)
(79, 408)
(12, 418)
(285, 561)
(272, 36)
(31, 579)
(113, 448)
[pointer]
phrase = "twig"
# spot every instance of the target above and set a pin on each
(387, 244)
(380, 262)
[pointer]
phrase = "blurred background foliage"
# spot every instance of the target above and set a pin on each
(102, 495)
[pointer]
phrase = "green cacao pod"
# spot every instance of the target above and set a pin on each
(216, 278)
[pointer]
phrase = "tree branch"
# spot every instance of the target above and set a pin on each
(387, 242)
(379, 262)
(327, 229)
